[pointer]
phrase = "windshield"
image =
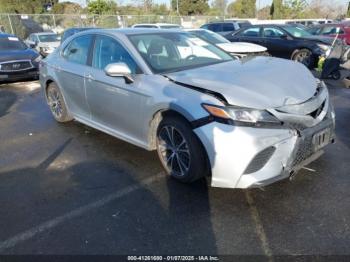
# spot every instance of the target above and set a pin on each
(169, 52)
(210, 37)
(11, 43)
(296, 31)
(49, 38)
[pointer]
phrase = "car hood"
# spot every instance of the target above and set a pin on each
(258, 82)
(27, 54)
(242, 47)
(322, 39)
(49, 44)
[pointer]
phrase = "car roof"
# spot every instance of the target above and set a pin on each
(45, 33)
(135, 31)
(160, 24)
(4, 35)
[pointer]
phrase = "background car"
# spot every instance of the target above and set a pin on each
(45, 43)
(331, 30)
(235, 49)
(226, 26)
(71, 31)
(286, 41)
(157, 25)
(203, 111)
(17, 61)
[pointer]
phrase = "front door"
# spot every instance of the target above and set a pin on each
(114, 104)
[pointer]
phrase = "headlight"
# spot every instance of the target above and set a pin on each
(323, 47)
(38, 59)
(242, 116)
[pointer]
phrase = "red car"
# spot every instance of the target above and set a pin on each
(330, 30)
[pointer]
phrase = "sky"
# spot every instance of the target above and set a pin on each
(260, 3)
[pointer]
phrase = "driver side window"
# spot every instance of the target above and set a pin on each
(107, 51)
(272, 32)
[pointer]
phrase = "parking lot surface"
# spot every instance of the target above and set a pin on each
(70, 189)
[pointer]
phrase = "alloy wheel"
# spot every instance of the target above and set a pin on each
(174, 151)
(54, 102)
(303, 57)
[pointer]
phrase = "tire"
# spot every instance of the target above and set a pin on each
(180, 151)
(56, 104)
(303, 56)
(336, 75)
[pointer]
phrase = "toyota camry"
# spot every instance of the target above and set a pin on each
(244, 123)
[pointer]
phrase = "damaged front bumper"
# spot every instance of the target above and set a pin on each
(245, 157)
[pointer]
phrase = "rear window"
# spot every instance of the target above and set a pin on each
(215, 27)
(251, 32)
(228, 27)
(11, 43)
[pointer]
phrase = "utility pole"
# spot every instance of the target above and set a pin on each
(177, 7)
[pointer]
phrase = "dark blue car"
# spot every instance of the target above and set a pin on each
(286, 41)
(17, 60)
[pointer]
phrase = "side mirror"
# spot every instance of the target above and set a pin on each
(31, 44)
(119, 70)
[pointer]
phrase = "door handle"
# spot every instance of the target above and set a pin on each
(90, 77)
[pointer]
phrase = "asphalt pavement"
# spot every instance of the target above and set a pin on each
(70, 189)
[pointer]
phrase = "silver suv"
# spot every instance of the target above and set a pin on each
(245, 123)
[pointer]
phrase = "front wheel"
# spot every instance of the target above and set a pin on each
(180, 151)
(303, 56)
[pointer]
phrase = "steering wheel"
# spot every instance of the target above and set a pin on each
(191, 57)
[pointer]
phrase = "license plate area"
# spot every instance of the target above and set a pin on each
(321, 139)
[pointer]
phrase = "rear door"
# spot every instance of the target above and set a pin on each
(71, 68)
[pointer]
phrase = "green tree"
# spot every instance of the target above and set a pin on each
(295, 9)
(242, 8)
(276, 10)
(24, 6)
(220, 6)
(66, 8)
(99, 7)
(191, 7)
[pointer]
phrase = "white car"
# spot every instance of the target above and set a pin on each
(236, 49)
(157, 25)
(45, 43)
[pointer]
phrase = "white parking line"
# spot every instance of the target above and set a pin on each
(259, 227)
(30, 233)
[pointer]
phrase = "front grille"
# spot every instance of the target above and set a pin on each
(260, 160)
(14, 66)
(304, 150)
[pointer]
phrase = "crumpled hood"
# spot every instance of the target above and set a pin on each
(242, 47)
(258, 82)
(321, 39)
(26, 54)
(49, 44)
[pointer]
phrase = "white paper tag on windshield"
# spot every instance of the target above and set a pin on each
(198, 41)
(11, 38)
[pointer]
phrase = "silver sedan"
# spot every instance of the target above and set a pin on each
(245, 123)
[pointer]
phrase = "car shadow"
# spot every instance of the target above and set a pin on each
(7, 99)
(146, 221)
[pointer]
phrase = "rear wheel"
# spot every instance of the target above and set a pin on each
(303, 56)
(56, 103)
(180, 151)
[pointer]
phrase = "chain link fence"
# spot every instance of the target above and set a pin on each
(22, 25)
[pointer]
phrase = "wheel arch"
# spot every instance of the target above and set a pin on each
(173, 112)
